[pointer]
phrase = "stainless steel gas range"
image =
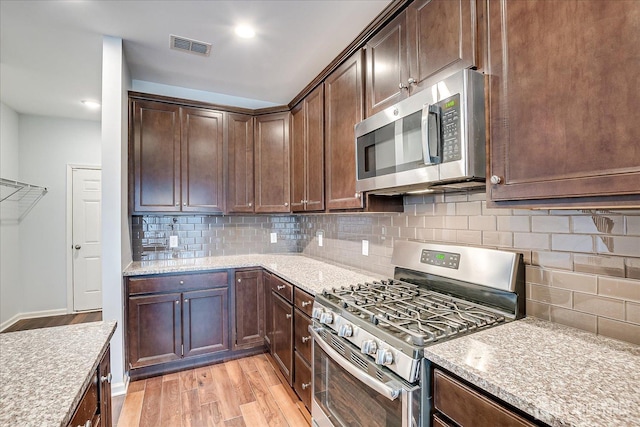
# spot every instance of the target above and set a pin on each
(368, 367)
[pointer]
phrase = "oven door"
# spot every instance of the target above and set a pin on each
(349, 390)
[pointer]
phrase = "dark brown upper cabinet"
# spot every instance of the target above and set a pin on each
(423, 44)
(307, 153)
(240, 163)
(177, 158)
(563, 79)
(272, 190)
(343, 104)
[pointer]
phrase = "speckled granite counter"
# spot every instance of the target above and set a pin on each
(304, 272)
(560, 375)
(44, 372)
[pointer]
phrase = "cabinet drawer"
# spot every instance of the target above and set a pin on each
(302, 340)
(302, 381)
(172, 283)
(88, 406)
(282, 288)
(449, 394)
(303, 301)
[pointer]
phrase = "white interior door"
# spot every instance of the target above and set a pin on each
(87, 239)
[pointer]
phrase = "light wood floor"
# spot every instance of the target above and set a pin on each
(243, 392)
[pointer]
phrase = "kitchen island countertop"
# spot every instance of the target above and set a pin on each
(44, 372)
(306, 273)
(559, 375)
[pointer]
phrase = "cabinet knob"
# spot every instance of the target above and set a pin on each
(402, 86)
(306, 339)
(177, 204)
(280, 287)
(412, 81)
(239, 280)
(305, 303)
(106, 378)
(306, 386)
(87, 424)
(289, 316)
(286, 203)
(182, 282)
(250, 204)
(495, 179)
(186, 300)
(177, 302)
(358, 195)
(184, 204)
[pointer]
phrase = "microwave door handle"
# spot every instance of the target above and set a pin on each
(431, 111)
(380, 387)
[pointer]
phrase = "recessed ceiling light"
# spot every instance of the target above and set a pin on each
(91, 104)
(245, 31)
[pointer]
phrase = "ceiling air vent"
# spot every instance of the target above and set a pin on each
(190, 46)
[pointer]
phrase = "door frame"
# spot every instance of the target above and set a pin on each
(69, 229)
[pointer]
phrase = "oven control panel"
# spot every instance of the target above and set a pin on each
(440, 259)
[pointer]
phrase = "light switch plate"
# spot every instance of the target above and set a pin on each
(173, 241)
(365, 247)
(274, 237)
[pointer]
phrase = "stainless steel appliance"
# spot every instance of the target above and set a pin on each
(368, 338)
(434, 139)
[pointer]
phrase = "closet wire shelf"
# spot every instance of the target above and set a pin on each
(17, 199)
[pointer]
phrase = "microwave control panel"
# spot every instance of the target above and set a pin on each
(451, 132)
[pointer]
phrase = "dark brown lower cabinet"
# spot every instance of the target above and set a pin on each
(478, 408)
(94, 408)
(282, 339)
(205, 322)
(104, 375)
(249, 297)
(302, 380)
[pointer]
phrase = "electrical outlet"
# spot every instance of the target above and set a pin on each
(173, 241)
(320, 238)
(365, 247)
(274, 237)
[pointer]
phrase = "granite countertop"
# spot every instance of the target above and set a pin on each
(44, 372)
(306, 273)
(559, 375)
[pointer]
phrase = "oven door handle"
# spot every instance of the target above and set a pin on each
(380, 387)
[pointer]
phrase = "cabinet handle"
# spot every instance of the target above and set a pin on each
(306, 386)
(239, 280)
(305, 303)
(289, 316)
(495, 179)
(412, 81)
(280, 287)
(182, 282)
(184, 204)
(402, 86)
(358, 195)
(286, 203)
(106, 378)
(305, 339)
(250, 204)
(178, 302)
(186, 300)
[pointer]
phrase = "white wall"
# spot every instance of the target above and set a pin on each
(116, 245)
(47, 145)
(10, 290)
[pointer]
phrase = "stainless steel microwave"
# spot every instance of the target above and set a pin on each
(432, 140)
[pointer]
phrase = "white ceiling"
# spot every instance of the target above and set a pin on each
(51, 51)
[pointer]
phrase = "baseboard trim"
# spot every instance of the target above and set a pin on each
(118, 389)
(45, 313)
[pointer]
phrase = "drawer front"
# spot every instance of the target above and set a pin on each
(449, 394)
(302, 380)
(282, 288)
(302, 339)
(172, 283)
(303, 301)
(88, 406)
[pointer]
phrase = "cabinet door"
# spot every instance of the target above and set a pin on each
(240, 163)
(563, 108)
(249, 309)
(268, 309)
(314, 153)
(104, 391)
(202, 161)
(282, 341)
(343, 109)
(387, 66)
(154, 329)
(442, 35)
(298, 158)
(302, 381)
(206, 325)
(272, 189)
(156, 157)
(302, 338)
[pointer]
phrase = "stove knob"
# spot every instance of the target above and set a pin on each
(317, 311)
(345, 330)
(384, 357)
(326, 318)
(369, 347)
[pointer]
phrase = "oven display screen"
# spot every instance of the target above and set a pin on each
(440, 259)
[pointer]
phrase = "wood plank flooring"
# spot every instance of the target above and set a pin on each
(243, 392)
(50, 321)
